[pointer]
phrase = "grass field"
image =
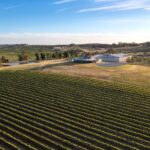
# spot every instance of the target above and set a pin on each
(13, 56)
(135, 74)
(51, 111)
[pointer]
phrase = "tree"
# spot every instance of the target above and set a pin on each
(37, 56)
(48, 56)
(111, 51)
(43, 57)
(53, 56)
(60, 55)
(3, 59)
(23, 56)
(66, 54)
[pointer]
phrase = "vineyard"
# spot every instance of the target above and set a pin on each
(51, 111)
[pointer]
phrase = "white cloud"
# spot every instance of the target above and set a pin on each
(106, 0)
(124, 21)
(119, 5)
(67, 38)
(63, 2)
(11, 7)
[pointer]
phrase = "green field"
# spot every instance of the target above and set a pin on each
(13, 56)
(51, 111)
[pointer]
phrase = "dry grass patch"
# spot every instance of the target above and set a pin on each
(135, 74)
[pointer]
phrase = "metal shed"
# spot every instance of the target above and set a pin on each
(115, 58)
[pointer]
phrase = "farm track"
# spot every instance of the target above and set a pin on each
(40, 111)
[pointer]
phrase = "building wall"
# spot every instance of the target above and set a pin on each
(123, 59)
(99, 60)
(114, 59)
(110, 59)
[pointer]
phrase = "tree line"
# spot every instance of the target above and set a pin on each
(3, 59)
(57, 55)
(139, 59)
(39, 56)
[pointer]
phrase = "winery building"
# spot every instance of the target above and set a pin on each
(115, 58)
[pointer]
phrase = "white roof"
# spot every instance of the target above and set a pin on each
(97, 56)
(116, 55)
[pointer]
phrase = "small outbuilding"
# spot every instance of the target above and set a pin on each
(84, 60)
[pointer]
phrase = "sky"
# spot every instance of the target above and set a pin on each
(74, 21)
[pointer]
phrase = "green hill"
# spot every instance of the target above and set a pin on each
(49, 111)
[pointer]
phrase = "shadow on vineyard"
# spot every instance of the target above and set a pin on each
(51, 111)
(48, 66)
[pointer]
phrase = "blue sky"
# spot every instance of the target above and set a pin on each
(74, 21)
